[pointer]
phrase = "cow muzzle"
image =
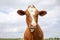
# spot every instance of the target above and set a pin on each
(32, 28)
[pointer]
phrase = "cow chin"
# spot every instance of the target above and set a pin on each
(32, 30)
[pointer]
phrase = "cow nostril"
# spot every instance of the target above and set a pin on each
(31, 25)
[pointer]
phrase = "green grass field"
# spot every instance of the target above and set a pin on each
(11, 38)
(22, 39)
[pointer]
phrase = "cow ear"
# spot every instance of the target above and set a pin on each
(21, 12)
(42, 13)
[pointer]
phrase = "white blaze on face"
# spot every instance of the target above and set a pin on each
(32, 11)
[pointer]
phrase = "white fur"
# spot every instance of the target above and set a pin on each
(32, 30)
(32, 12)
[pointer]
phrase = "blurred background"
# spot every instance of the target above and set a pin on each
(13, 25)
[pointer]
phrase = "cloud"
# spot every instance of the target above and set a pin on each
(8, 30)
(22, 4)
(13, 25)
(16, 3)
(11, 16)
(50, 23)
(11, 22)
(48, 2)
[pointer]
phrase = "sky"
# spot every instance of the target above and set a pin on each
(13, 25)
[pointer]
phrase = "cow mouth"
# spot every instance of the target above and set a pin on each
(32, 29)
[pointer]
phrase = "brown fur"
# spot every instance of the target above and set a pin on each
(37, 34)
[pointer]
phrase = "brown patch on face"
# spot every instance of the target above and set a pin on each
(36, 16)
(28, 18)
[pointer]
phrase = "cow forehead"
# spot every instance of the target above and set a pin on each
(32, 11)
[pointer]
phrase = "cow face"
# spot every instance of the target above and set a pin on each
(31, 16)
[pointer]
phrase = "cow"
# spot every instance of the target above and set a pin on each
(33, 30)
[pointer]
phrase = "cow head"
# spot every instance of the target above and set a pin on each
(31, 16)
